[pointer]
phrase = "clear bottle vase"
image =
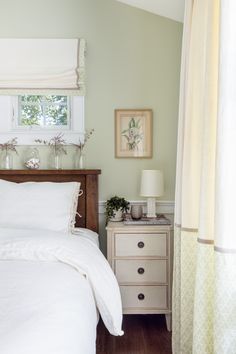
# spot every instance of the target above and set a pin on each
(56, 160)
(81, 160)
(7, 160)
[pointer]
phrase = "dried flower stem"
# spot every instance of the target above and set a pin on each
(81, 144)
(57, 143)
(10, 145)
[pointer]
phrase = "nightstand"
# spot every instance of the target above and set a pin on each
(140, 258)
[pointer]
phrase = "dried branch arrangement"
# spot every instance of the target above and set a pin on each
(81, 144)
(57, 143)
(10, 145)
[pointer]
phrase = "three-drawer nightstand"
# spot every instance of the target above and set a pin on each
(140, 258)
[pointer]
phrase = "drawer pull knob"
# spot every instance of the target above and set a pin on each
(141, 270)
(141, 296)
(141, 244)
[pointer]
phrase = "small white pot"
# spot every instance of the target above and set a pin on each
(118, 215)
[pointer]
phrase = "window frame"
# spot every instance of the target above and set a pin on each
(15, 119)
(27, 135)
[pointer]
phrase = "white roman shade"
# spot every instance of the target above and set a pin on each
(42, 66)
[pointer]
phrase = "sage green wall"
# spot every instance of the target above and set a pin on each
(133, 61)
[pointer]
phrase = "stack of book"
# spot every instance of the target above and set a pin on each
(159, 220)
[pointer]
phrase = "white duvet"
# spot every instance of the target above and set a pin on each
(50, 286)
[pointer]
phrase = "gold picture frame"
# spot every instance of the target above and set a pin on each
(133, 133)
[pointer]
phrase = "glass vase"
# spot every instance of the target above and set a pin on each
(32, 160)
(56, 160)
(81, 160)
(7, 160)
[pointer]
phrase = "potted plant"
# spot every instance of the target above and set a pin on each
(115, 207)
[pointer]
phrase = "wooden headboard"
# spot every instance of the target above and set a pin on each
(88, 201)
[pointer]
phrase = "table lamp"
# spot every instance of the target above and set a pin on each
(152, 186)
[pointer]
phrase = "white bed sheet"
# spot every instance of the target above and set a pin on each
(45, 308)
(49, 289)
(86, 233)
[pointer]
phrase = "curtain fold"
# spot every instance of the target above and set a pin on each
(204, 302)
(42, 66)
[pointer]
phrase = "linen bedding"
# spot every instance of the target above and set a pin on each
(50, 286)
(39, 205)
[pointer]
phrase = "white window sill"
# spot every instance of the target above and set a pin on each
(29, 137)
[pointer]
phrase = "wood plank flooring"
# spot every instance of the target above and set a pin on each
(144, 334)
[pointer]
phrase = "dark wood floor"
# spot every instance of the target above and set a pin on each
(144, 334)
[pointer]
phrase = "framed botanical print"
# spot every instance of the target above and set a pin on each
(133, 133)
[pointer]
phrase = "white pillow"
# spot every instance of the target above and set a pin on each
(38, 205)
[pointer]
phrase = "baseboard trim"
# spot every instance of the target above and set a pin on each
(163, 206)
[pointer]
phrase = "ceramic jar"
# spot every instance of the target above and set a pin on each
(136, 212)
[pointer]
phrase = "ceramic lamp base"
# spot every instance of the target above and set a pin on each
(151, 207)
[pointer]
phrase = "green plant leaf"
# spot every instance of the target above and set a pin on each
(113, 204)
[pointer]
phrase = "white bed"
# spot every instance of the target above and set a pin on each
(53, 284)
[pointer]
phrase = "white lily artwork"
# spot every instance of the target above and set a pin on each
(133, 133)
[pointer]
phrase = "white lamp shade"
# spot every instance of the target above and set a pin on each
(152, 184)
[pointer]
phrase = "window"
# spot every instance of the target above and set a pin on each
(42, 112)
(30, 117)
(50, 72)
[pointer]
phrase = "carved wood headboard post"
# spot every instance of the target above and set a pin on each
(88, 201)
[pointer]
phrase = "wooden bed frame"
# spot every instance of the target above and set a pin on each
(88, 201)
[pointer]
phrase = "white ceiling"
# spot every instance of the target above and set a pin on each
(173, 9)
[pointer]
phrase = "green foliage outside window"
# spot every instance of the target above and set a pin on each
(43, 111)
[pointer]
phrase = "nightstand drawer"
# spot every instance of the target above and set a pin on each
(140, 244)
(135, 271)
(144, 297)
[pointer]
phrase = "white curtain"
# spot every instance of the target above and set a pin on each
(42, 66)
(204, 280)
